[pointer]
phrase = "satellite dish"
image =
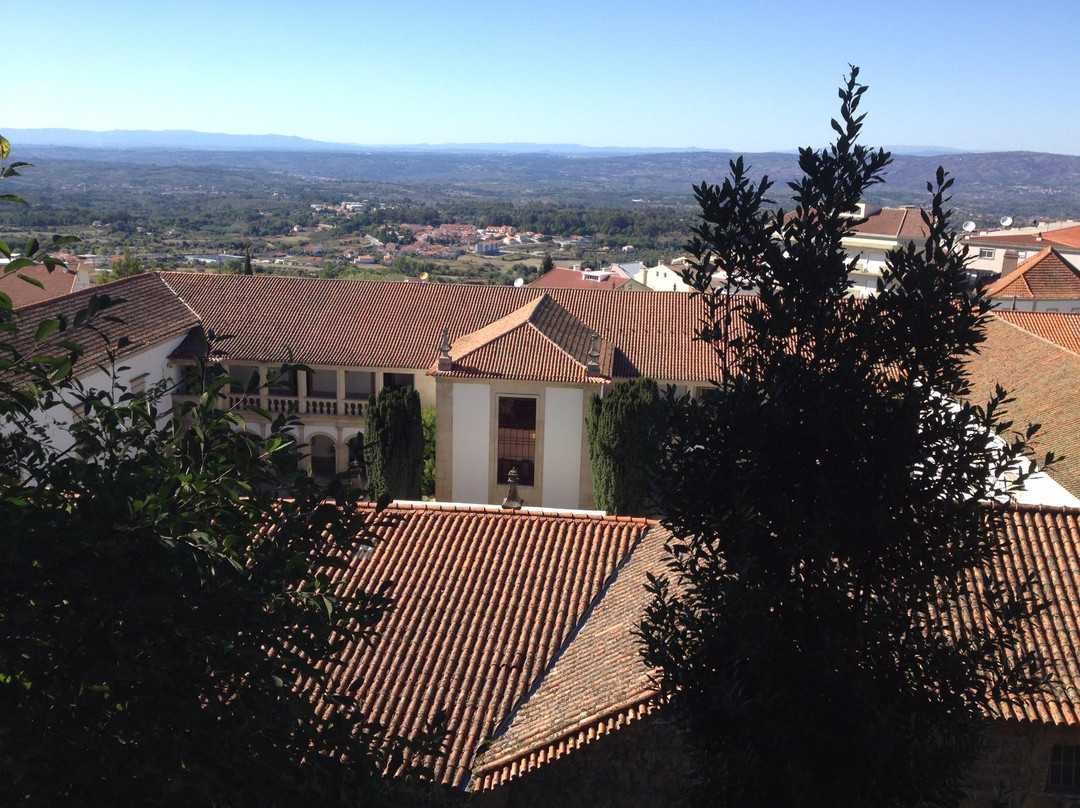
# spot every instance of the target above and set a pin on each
(1006, 221)
(424, 276)
(519, 282)
(969, 227)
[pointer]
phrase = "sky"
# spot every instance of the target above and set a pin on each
(746, 75)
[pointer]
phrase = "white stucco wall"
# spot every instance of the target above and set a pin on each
(471, 442)
(563, 426)
(150, 366)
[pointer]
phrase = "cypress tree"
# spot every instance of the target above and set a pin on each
(622, 433)
(394, 445)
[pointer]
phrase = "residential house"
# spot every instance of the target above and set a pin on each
(576, 278)
(1043, 282)
(997, 253)
(874, 232)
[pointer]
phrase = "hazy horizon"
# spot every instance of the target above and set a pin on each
(705, 74)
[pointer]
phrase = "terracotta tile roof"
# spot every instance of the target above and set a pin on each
(1045, 547)
(563, 278)
(1044, 379)
(1060, 327)
(1045, 276)
(58, 282)
(399, 325)
(540, 341)
(597, 685)
(150, 314)
(483, 599)
(1068, 237)
(898, 223)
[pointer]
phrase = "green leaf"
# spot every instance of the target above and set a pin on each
(12, 198)
(45, 327)
(32, 281)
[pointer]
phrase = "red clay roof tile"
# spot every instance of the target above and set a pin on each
(483, 600)
(148, 313)
(399, 325)
(53, 284)
(1061, 328)
(1045, 276)
(600, 683)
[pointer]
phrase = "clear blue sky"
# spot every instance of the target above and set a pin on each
(748, 75)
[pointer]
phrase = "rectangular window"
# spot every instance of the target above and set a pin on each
(1064, 774)
(398, 380)
(283, 384)
(359, 384)
(517, 439)
(322, 383)
(241, 373)
(986, 252)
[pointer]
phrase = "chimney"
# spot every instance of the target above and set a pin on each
(592, 367)
(445, 362)
(1009, 262)
(1038, 236)
(513, 501)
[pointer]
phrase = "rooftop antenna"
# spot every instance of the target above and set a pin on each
(1006, 221)
(969, 226)
(519, 282)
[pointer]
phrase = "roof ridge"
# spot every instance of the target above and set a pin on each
(1032, 334)
(534, 686)
(547, 513)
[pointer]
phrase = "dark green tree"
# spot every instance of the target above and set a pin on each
(546, 264)
(831, 503)
(623, 435)
(126, 265)
(394, 445)
(427, 415)
(247, 262)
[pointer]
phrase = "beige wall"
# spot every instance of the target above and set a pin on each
(452, 433)
(1012, 770)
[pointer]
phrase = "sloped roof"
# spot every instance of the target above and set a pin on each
(897, 223)
(1068, 237)
(1045, 548)
(1044, 276)
(145, 311)
(600, 683)
(1060, 327)
(1043, 378)
(563, 278)
(540, 341)
(483, 599)
(400, 325)
(53, 284)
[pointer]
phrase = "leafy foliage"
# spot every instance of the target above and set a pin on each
(427, 416)
(394, 445)
(623, 441)
(829, 507)
(159, 605)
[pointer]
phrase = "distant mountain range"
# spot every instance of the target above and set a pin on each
(206, 141)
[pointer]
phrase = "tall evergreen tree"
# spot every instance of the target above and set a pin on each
(394, 445)
(829, 503)
(623, 445)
